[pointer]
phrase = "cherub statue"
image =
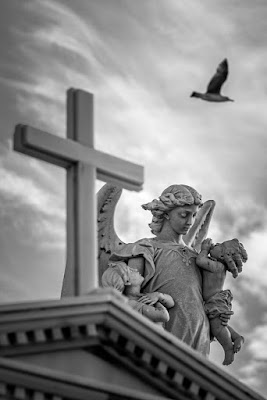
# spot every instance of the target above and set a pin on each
(217, 300)
(153, 307)
(167, 261)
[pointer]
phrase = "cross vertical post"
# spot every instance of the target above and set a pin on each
(79, 278)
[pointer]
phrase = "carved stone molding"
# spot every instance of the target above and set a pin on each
(103, 322)
(20, 381)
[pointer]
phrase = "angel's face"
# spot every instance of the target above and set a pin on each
(182, 218)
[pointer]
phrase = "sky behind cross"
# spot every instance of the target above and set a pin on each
(83, 166)
(142, 60)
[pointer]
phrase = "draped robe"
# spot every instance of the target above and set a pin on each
(171, 268)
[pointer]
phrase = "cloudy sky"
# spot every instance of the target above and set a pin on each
(142, 60)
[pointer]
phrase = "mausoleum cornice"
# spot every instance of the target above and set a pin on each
(104, 324)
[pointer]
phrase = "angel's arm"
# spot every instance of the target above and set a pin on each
(152, 298)
(166, 300)
(156, 312)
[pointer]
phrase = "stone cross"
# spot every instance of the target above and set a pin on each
(83, 165)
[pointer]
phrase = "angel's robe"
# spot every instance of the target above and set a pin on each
(171, 268)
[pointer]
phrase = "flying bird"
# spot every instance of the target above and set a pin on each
(214, 87)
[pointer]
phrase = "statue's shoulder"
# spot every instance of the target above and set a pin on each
(140, 246)
(145, 241)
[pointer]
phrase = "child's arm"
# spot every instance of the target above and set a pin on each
(157, 313)
(204, 261)
(152, 298)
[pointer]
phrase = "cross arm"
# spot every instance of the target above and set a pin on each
(66, 152)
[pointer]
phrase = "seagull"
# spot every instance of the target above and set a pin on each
(214, 87)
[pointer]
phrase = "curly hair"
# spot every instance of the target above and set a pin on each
(112, 276)
(172, 197)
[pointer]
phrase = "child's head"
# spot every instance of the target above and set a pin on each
(112, 277)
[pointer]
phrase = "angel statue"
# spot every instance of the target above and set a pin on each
(167, 261)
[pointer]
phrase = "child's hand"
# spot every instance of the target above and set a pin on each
(150, 298)
(206, 244)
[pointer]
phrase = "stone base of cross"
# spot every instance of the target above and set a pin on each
(83, 165)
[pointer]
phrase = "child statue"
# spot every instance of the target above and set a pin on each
(217, 300)
(154, 308)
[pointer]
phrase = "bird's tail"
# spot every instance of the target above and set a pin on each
(195, 94)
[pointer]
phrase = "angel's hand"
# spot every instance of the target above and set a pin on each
(234, 255)
(150, 298)
(231, 265)
(224, 317)
(206, 244)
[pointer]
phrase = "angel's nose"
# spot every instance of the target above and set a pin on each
(190, 220)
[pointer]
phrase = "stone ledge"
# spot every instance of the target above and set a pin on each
(103, 318)
(20, 381)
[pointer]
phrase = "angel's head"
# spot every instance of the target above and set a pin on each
(175, 202)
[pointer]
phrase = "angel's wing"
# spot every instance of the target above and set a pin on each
(108, 241)
(199, 230)
(218, 78)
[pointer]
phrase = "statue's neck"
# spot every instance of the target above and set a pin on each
(171, 237)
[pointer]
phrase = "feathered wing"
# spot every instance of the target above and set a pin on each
(218, 78)
(199, 230)
(108, 240)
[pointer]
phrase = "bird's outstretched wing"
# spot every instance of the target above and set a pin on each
(218, 78)
(199, 230)
(108, 241)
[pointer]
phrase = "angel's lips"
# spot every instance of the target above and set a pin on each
(186, 228)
